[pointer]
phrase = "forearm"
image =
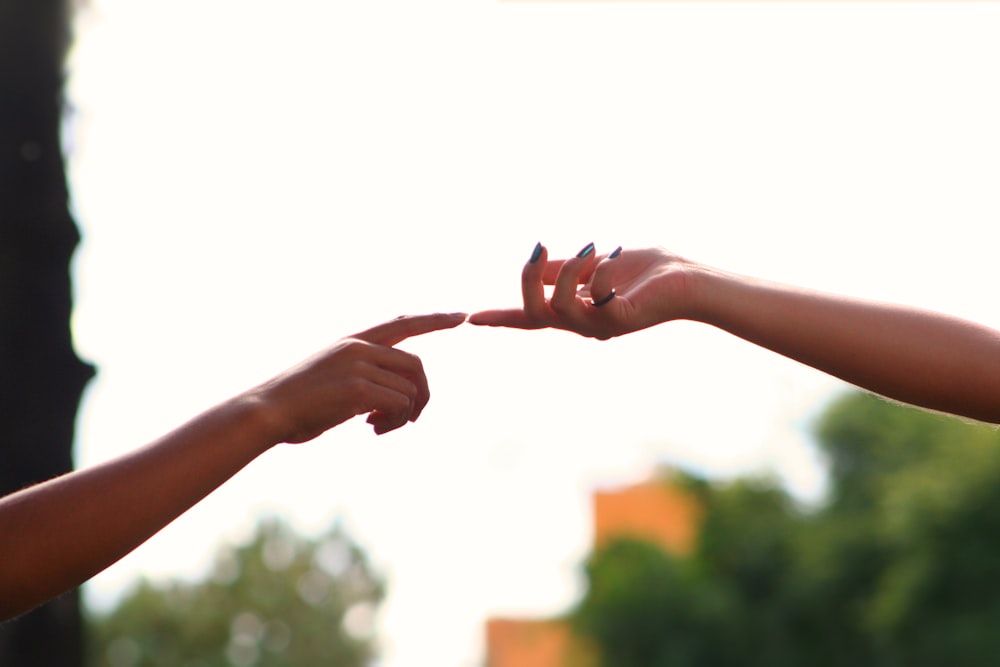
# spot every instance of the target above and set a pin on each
(56, 535)
(915, 356)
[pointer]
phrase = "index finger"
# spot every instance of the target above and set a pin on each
(505, 317)
(406, 326)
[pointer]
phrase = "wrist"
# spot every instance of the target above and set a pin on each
(707, 290)
(259, 421)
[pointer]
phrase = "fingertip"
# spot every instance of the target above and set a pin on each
(451, 320)
(512, 318)
(484, 318)
(419, 404)
(381, 423)
(539, 256)
(536, 253)
(448, 320)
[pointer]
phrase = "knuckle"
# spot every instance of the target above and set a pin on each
(410, 390)
(355, 346)
(418, 364)
(356, 371)
(400, 404)
(358, 387)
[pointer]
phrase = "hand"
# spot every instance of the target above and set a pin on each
(650, 286)
(360, 374)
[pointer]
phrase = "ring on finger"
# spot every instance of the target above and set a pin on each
(600, 302)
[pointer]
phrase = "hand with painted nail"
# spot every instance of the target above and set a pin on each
(600, 296)
(924, 358)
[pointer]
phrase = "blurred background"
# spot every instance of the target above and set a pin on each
(254, 180)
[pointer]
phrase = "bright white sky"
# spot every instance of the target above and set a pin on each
(257, 179)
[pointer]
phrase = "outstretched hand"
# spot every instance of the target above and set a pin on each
(600, 296)
(360, 374)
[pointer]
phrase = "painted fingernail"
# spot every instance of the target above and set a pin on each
(536, 253)
(617, 251)
(587, 249)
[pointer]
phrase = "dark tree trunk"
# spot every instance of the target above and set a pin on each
(41, 378)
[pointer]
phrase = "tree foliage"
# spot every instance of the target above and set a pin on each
(901, 566)
(280, 600)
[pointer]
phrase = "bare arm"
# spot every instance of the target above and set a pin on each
(57, 534)
(911, 355)
(916, 356)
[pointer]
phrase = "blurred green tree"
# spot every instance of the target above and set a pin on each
(901, 565)
(645, 607)
(280, 600)
(928, 486)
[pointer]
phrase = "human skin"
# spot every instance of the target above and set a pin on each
(916, 356)
(57, 534)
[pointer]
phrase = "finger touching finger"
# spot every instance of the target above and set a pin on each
(514, 318)
(407, 326)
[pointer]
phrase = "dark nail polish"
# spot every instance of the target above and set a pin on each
(587, 249)
(617, 251)
(536, 253)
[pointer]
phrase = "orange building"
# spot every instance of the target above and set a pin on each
(656, 511)
(534, 643)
